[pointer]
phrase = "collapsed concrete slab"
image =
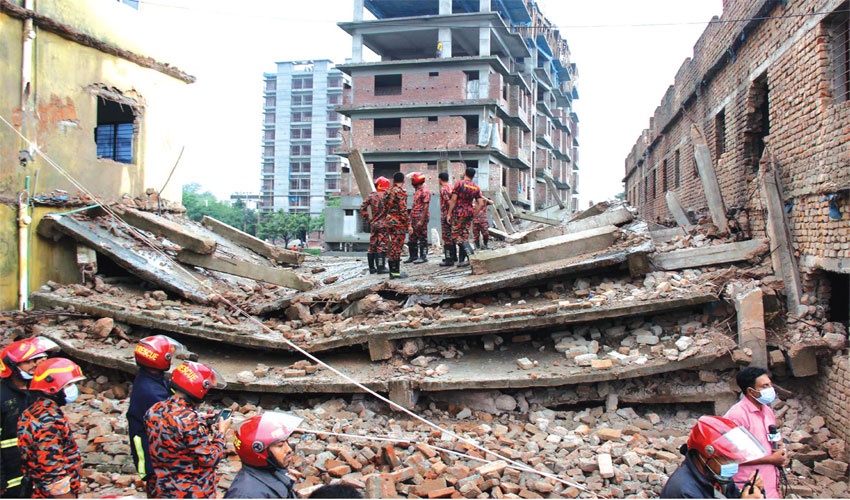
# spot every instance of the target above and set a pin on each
(279, 255)
(556, 248)
(709, 255)
(162, 226)
(238, 267)
(616, 217)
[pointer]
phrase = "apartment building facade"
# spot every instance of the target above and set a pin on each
(301, 132)
(487, 84)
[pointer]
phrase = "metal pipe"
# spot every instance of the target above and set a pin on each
(24, 221)
(26, 56)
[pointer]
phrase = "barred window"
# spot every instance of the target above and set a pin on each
(115, 132)
(837, 25)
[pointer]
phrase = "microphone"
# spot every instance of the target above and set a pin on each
(774, 437)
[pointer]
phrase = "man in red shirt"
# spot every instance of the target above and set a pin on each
(465, 203)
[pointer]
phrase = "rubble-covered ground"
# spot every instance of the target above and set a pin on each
(572, 444)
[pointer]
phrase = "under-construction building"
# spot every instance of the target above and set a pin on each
(483, 83)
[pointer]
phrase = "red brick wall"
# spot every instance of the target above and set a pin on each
(831, 395)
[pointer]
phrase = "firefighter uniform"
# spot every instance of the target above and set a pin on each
(445, 199)
(397, 220)
(50, 457)
(419, 217)
(183, 451)
(481, 226)
(13, 402)
(377, 234)
(148, 388)
(467, 193)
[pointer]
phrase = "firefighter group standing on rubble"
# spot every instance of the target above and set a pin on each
(385, 213)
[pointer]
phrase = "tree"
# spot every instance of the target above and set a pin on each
(200, 204)
(286, 226)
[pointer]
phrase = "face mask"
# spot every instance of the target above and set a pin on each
(24, 375)
(71, 393)
(727, 471)
(766, 396)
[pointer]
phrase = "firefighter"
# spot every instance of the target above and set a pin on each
(464, 205)
(449, 250)
(261, 444)
(398, 222)
(153, 357)
(184, 450)
(50, 458)
(372, 212)
(18, 361)
(419, 217)
(481, 226)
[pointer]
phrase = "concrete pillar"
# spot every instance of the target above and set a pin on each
(445, 7)
(707, 175)
(751, 330)
(483, 5)
(358, 10)
(357, 48)
(444, 43)
(484, 41)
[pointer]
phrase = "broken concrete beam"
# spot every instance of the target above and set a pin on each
(590, 212)
(553, 190)
(401, 393)
(497, 219)
(161, 226)
(507, 199)
(638, 264)
(536, 218)
(235, 267)
(361, 173)
(708, 177)
(709, 255)
(615, 217)
(751, 330)
(665, 235)
(279, 255)
(542, 233)
(381, 349)
(550, 249)
(802, 360)
(676, 209)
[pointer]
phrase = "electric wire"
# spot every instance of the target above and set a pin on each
(155, 248)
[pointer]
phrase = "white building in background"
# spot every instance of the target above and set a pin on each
(301, 131)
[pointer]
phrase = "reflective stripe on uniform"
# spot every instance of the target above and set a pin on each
(140, 453)
(9, 443)
(14, 482)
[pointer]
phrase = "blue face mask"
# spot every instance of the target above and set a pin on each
(71, 393)
(727, 471)
(24, 375)
(766, 396)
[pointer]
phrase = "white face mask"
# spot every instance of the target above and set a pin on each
(766, 396)
(71, 393)
(24, 375)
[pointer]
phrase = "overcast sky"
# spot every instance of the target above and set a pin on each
(627, 53)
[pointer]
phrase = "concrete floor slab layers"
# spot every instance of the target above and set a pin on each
(709, 255)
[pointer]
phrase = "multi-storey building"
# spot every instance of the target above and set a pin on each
(487, 84)
(301, 131)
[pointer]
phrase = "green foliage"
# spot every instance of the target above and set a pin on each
(200, 204)
(286, 226)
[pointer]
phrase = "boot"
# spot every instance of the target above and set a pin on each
(451, 256)
(468, 248)
(447, 256)
(412, 248)
(423, 253)
(381, 259)
(370, 257)
(486, 244)
(395, 270)
(463, 256)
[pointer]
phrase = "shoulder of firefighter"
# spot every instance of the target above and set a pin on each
(50, 457)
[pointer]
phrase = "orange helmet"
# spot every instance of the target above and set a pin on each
(259, 432)
(417, 178)
(22, 351)
(382, 183)
(157, 352)
(717, 436)
(196, 379)
(54, 374)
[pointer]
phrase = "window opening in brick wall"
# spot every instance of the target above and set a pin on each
(839, 297)
(757, 122)
(471, 129)
(837, 26)
(470, 163)
(431, 165)
(115, 133)
(385, 169)
(664, 176)
(719, 134)
(677, 179)
(652, 185)
(433, 73)
(387, 126)
(472, 84)
(432, 118)
(388, 84)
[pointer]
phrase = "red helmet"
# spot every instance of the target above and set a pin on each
(417, 178)
(717, 436)
(382, 183)
(54, 374)
(196, 379)
(22, 351)
(259, 432)
(157, 352)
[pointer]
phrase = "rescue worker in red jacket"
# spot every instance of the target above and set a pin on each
(49, 454)
(481, 226)
(372, 212)
(184, 451)
(18, 361)
(153, 356)
(261, 444)
(398, 222)
(464, 205)
(449, 250)
(419, 217)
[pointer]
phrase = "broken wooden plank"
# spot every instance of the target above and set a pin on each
(362, 175)
(236, 267)
(147, 264)
(708, 177)
(536, 218)
(675, 208)
(160, 226)
(278, 254)
(615, 217)
(709, 255)
(528, 254)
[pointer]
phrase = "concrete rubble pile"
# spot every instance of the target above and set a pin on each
(591, 363)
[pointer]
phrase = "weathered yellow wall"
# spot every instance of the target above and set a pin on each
(62, 117)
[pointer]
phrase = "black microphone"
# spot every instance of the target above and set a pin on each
(774, 437)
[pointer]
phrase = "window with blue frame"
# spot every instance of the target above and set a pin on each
(115, 131)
